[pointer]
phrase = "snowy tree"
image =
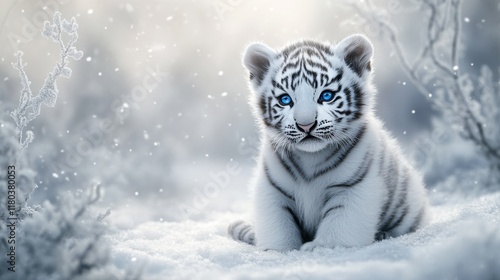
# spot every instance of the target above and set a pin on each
(48, 241)
(9, 149)
(62, 242)
(469, 101)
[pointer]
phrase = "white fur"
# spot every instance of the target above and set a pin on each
(357, 219)
(355, 225)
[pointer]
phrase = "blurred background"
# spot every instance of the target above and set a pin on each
(166, 81)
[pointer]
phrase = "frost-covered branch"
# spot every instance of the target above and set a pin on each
(469, 101)
(29, 105)
(51, 242)
(64, 242)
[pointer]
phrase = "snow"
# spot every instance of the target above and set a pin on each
(461, 242)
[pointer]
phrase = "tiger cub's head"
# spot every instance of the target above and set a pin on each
(310, 94)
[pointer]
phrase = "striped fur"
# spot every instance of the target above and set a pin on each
(328, 173)
(242, 231)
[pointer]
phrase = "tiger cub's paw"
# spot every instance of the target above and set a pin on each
(311, 245)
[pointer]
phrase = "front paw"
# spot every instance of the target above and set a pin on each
(278, 247)
(310, 246)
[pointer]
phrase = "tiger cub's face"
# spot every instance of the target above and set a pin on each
(310, 94)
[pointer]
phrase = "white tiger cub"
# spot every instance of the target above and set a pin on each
(328, 173)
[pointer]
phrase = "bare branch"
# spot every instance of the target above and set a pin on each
(456, 31)
(442, 39)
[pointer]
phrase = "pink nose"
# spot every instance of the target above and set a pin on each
(306, 127)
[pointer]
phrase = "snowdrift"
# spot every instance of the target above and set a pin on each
(461, 242)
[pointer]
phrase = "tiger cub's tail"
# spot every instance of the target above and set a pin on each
(241, 231)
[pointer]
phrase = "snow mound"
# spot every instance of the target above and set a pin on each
(462, 242)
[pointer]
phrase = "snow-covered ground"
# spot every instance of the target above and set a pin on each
(461, 242)
(166, 145)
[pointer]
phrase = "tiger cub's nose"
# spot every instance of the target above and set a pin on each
(306, 127)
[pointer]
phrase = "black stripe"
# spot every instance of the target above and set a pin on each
(358, 176)
(318, 46)
(382, 172)
(264, 107)
(382, 156)
(275, 185)
(240, 233)
(269, 107)
(277, 85)
(337, 78)
(295, 54)
(262, 104)
(398, 222)
(273, 92)
(381, 235)
(275, 111)
(297, 48)
(403, 195)
(290, 65)
(287, 167)
(329, 157)
(331, 209)
(311, 51)
(344, 154)
(325, 59)
(299, 169)
(313, 82)
(251, 238)
(417, 221)
(294, 77)
(280, 121)
(305, 237)
(336, 98)
(324, 79)
(329, 195)
(359, 101)
(344, 112)
(284, 81)
(333, 114)
(233, 226)
(294, 216)
(347, 92)
(243, 232)
(316, 65)
(401, 201)
(391, 184)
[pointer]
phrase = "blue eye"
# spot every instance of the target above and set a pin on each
(285, 100)
(325, 96)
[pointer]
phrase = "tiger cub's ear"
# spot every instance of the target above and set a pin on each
(257, 60)
(357, 51)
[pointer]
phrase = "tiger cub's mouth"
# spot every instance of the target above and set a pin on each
(310, 138)
(311, 143)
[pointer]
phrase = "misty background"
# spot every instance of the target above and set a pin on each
(168, 79)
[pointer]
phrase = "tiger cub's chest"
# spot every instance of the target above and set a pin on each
(311, 189)
(309, 200)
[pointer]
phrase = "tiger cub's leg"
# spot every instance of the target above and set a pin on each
(276, 222)
(349, 220)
